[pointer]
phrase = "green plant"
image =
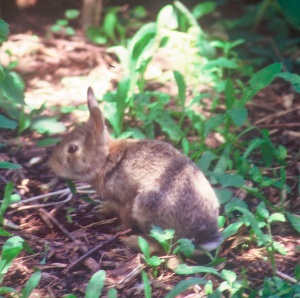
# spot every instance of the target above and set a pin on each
(62, 26)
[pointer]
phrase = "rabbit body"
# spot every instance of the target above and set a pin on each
(148, 182)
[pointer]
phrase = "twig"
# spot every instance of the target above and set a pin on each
(96, 248)
(286, 277)
(276, 115)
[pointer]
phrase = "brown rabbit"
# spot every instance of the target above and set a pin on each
(147, 182)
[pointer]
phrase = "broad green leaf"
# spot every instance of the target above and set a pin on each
(256, 142)
(223, 195)
(72, 13)
(154, 261)
(112, 293)
(203, 8)
(10, 250)
(141, 45)
(260, 80)
(7, 123)
(205, 161)
(2, 73)
(94, 34)
(291, 10)
(47, 126)
(4, 31)
(234, 202)
(185, 284)
(4, 233)
(109, 25)
(262, 211)
(292, 78)
(111, 115)
(276, 217)
(184, 269)
(12, 87)
(31, 284)
(47, 142)
(95, 285)
(294, 219)
(181, 87)
(7, 290)
(279, 247)
(9, 165)
(147, 286)
(231, 229)
(238, 115)
(185, 246)
(297, 272)
(162, 236)
(167, 18)
(62, 23)
(169, 126)
(254, 224)
(229, 275)
(213, 123)
(144, 246)
(70, 31)
(230, 180)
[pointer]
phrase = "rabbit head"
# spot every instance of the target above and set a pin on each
(85, 149)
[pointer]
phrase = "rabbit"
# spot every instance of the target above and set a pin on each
(146, 182)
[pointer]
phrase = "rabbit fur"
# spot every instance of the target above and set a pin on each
(147, 182)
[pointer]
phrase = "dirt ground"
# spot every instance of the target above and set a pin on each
(63, 229)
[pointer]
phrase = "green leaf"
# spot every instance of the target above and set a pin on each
(69, 31)
(184, 269)
(238, 115)
(222, 62)
(292, 78)
(167, 18)
(94, 34)
(262, 211)
(279, 247)
(229, 94)
(2, 73)
(147, 287)
(95, 285)
(294, 219)
(213, 123)
(144, 246)
(109, 25)
(55, 28)
(205, 161)
(10, 250)
(4, 233)
(72, 13)
(185, 284)
(231, 229)
(203, 8)
(7, 200)
(260, 80)
(7, 123)
(276, 217)
(12, 87)
(291, 10)
(4, 31)
(141, 45)
(47, 126)
(112, 293)
(154, 261)
(255, 143)
(47, 142)
(7, 290)
(169, 126)
(9, 165)
(31, 284)
(62, 23)
(181, 87)
(185, 246)
(229, 275)
(297, 272)
(223, 195)
(230, 180)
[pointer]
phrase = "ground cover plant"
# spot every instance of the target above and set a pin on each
(197, 76)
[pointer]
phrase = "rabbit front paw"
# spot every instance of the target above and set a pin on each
(105, 209)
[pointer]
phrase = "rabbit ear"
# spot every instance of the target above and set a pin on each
(96, 118)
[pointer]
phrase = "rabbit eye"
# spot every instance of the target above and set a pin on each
(72, 149)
